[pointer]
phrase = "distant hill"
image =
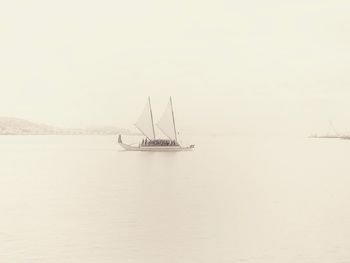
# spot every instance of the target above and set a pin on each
(16, 126)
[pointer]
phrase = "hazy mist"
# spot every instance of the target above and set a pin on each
(276, 67)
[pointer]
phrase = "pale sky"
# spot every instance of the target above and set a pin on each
(231, 66)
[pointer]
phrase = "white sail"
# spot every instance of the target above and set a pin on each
(167, 122)
(145, 122)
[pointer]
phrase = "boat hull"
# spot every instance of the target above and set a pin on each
(155, 148)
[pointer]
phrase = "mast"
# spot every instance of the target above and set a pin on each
(150, 108)
(172, 112)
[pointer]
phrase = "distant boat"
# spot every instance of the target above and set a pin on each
(326, 136)
(345, 137)
(332, 134)
(166, 125)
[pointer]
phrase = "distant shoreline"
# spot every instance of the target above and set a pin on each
(16, 126)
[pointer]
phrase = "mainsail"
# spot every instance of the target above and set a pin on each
(145, 122)
(167, 122)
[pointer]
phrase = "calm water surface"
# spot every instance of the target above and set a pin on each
(234, 199)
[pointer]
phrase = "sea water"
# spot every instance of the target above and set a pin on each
(233, 199)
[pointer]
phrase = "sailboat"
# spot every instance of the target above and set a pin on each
(332, 134)
(166, 125)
